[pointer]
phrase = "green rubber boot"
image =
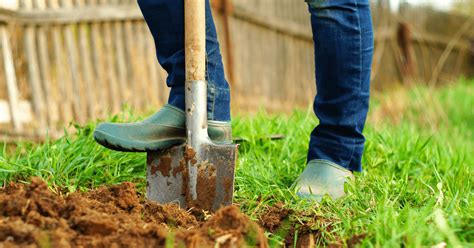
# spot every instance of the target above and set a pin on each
(159, 131)
(322, 177)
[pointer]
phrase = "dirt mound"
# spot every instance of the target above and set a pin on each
(116, 216)
(273, 216)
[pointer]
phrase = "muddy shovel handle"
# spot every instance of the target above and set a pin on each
(195, 39)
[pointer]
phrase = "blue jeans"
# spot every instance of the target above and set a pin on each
(343, 41)
(165, 19)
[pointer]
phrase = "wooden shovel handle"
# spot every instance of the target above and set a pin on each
(195, 39)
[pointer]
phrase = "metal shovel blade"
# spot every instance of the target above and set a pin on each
(175, 176)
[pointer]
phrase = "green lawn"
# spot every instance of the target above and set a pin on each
(416, 190)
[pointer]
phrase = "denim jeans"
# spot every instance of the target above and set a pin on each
(165, 19)
(343, 42)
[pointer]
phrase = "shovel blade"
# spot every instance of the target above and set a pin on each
(164, 175)
(202, 178)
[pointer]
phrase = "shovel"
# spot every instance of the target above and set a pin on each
(200, 173)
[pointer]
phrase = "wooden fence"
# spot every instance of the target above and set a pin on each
(65, 60)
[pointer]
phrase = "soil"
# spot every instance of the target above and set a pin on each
(165, 166)
(273, 216)
(206, 186)
(33, 216)
(205, 182)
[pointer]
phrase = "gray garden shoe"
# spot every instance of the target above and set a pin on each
(159, 131)
(322, 177)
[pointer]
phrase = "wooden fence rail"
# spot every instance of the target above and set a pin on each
(64, 60)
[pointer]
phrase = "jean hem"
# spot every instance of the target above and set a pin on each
(328, 162)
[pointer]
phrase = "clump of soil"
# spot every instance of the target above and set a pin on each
(116, 216)
(273, 216)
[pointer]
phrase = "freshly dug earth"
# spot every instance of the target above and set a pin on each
(116, 216)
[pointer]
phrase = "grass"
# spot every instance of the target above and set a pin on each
(416, 190)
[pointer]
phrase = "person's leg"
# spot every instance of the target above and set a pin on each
(165, 19)
(343, 42)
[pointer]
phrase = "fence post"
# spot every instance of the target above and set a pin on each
(11, 79)
(64, 95)
(405, 42)
(225, 7)
(34, 77)
(44, 66)
(86, 66)
(472, 57)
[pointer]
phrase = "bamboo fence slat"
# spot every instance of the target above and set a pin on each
(44, 66)
(154, 77)
(113, 89)
(10, 79)
(34, 73)
(86, 66)
(98, 62)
